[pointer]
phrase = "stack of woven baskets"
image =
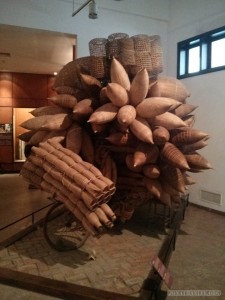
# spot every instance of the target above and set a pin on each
(134, 53)
(120, 137)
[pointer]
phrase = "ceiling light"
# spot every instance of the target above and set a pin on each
(93, 10)
(93, 13)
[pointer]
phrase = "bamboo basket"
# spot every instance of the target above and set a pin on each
(156, 55)
(170, 87)
(143, 60)
(97, 47)
(142, 43)
(114, 44)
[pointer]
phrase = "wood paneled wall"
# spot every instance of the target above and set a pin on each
(20, 90)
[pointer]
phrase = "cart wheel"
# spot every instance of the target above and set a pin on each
(62, 230)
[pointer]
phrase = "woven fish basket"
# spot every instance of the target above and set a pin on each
(84, 64)
(97, 47)
(65, 90)
(156, 55)
(69, 75)
(114, 44)
(99, 67)
(117, 36)
(127, 57)
(143, 60)
(127, 54)
(170, 87)
(142, 42)
(155, 42)
(126, 44)
(157, 63)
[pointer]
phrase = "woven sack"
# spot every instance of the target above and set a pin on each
(160, 135)
(64, 100)
(142, 130)
(74, 138)
(126, 115)
(139, 87)
(65, 90)
(119, 75)
(48, 110)
(104, 114)
(26, 136)
(167, 120)
(169, 87)
(173, 156)
(38, 137)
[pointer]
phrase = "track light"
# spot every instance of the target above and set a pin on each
(93, 11)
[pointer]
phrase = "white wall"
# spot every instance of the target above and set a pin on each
(129, 16)
(187, 19)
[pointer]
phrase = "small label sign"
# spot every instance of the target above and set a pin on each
(162, 271)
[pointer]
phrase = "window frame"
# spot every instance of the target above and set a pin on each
(205, 39)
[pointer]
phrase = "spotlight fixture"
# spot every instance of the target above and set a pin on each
(93, 11)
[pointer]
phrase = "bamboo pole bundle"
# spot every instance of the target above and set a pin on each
(82, 182)
(31, 177)
(93, 220)
(96, 179)
(28, 165)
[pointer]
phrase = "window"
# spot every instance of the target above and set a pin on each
(201, 54)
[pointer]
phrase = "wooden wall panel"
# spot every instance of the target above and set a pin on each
(5, 115)
(11, 167)
(51, 81)
(41, 102)
(5, 85)
(20, 90)
(6, 154)
(29, 86)
(23, 102)
(6, 101)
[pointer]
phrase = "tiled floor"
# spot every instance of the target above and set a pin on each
(18, 201)
(122, 257)
(198, 262)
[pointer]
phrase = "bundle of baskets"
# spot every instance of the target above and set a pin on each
(134, 53)
(105, 146)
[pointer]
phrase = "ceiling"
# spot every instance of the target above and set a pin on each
(27, 50)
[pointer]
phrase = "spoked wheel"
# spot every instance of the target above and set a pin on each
(62, 230)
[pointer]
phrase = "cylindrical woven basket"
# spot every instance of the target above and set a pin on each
(126, 44)
(99, 67)
(155, 42)
(84, 63)
(69, 75)
(157, 63)
(143, 60)
(117, 36)
(127, 57)
(127, 53)
(156, 54)
(142, 42)
(113, 45)
(97, 47)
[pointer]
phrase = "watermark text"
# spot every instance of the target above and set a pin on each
(194, 293)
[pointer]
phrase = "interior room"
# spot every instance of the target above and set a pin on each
(177, 243)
